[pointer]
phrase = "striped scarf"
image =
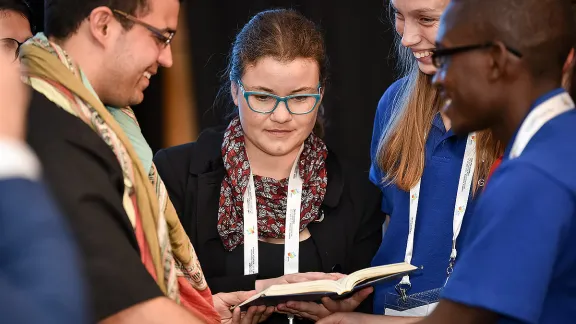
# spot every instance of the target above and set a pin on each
(165, 249)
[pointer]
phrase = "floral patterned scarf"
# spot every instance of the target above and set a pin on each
(271, 194)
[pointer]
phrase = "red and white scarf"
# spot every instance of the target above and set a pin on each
(271, 194)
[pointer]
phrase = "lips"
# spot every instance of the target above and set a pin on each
(278, 132)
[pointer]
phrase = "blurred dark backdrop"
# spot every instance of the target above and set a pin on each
(359, 41)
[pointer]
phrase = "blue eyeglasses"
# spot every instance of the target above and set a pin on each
(266, 103)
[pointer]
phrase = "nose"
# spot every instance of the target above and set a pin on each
(165, 57)
(281, 114)
(411, 35)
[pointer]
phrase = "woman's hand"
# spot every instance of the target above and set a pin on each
(296, 277)
(315, 312)
(354, 318)
(223, 302)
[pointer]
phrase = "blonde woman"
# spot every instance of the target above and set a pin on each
(418, 163)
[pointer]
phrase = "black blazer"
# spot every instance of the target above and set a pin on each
(346, 239)
(86, 180)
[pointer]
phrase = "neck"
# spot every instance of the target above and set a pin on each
(266, 165)
(517, 108)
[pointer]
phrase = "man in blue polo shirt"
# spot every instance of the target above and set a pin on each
(500, 67)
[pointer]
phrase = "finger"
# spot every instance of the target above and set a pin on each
(283, 309)
(258, 314)
(338, 275)
(349, 304)
(315, 275)
(236, 316)
(269, 311)
(311, 309)
(247, 318)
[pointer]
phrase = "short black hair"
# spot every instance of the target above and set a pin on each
(62, 18)
(542, 30)
(21, 7)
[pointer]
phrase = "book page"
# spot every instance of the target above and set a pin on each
(374, 272)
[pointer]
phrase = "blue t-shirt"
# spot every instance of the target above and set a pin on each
(444, 154)
(520, 257)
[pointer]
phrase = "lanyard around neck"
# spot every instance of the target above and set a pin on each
(464, 185)
(539, 116)
(292, 226)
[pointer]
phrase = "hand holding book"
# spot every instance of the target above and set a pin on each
(335, 289)
(315, 311)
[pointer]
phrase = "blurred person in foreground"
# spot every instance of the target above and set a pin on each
(15, 26)
(40, 279)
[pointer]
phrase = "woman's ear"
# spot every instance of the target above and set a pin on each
(234, 92)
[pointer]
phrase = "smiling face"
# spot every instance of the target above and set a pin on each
(417, 21)
(278, 133)
(137, 54)
(471, 82)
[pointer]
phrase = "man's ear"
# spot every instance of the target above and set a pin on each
(569, 61)
(499, 58)
(101, 23)
(234, 91)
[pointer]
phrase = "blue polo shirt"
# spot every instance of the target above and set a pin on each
(520, 256)
(444, 154)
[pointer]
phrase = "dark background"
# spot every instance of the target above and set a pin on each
(359, 43)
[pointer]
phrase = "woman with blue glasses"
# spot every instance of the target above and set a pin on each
(264, 201)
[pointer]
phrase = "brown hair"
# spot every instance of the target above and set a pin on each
(401, 148)
(283, 34)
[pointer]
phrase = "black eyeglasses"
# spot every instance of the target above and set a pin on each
(440, 55)
(10, 47)
(164, 36)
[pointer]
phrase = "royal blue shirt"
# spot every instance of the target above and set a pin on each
(444, 154)
(520, 256)
(40, 274)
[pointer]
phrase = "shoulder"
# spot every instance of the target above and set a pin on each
(50, 126)
(551, 142)
(518, 183)
(196, 156)
(391, 96)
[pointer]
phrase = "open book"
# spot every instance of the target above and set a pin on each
(336, 289)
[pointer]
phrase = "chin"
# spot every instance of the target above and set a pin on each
(428, 69)
(136, 99)
(279, 149)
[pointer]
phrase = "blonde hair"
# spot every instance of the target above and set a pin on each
(401, 149)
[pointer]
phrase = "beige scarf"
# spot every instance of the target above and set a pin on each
(166, 250)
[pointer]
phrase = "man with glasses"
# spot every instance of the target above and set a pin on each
(500, 67)
(15, 26)
(93, 62)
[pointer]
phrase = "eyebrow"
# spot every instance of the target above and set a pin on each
(419, 11)
(426, 10)
(264, 89)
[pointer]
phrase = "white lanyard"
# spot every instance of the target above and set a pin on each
(464, 184)
(292, 226)
(539, 116)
